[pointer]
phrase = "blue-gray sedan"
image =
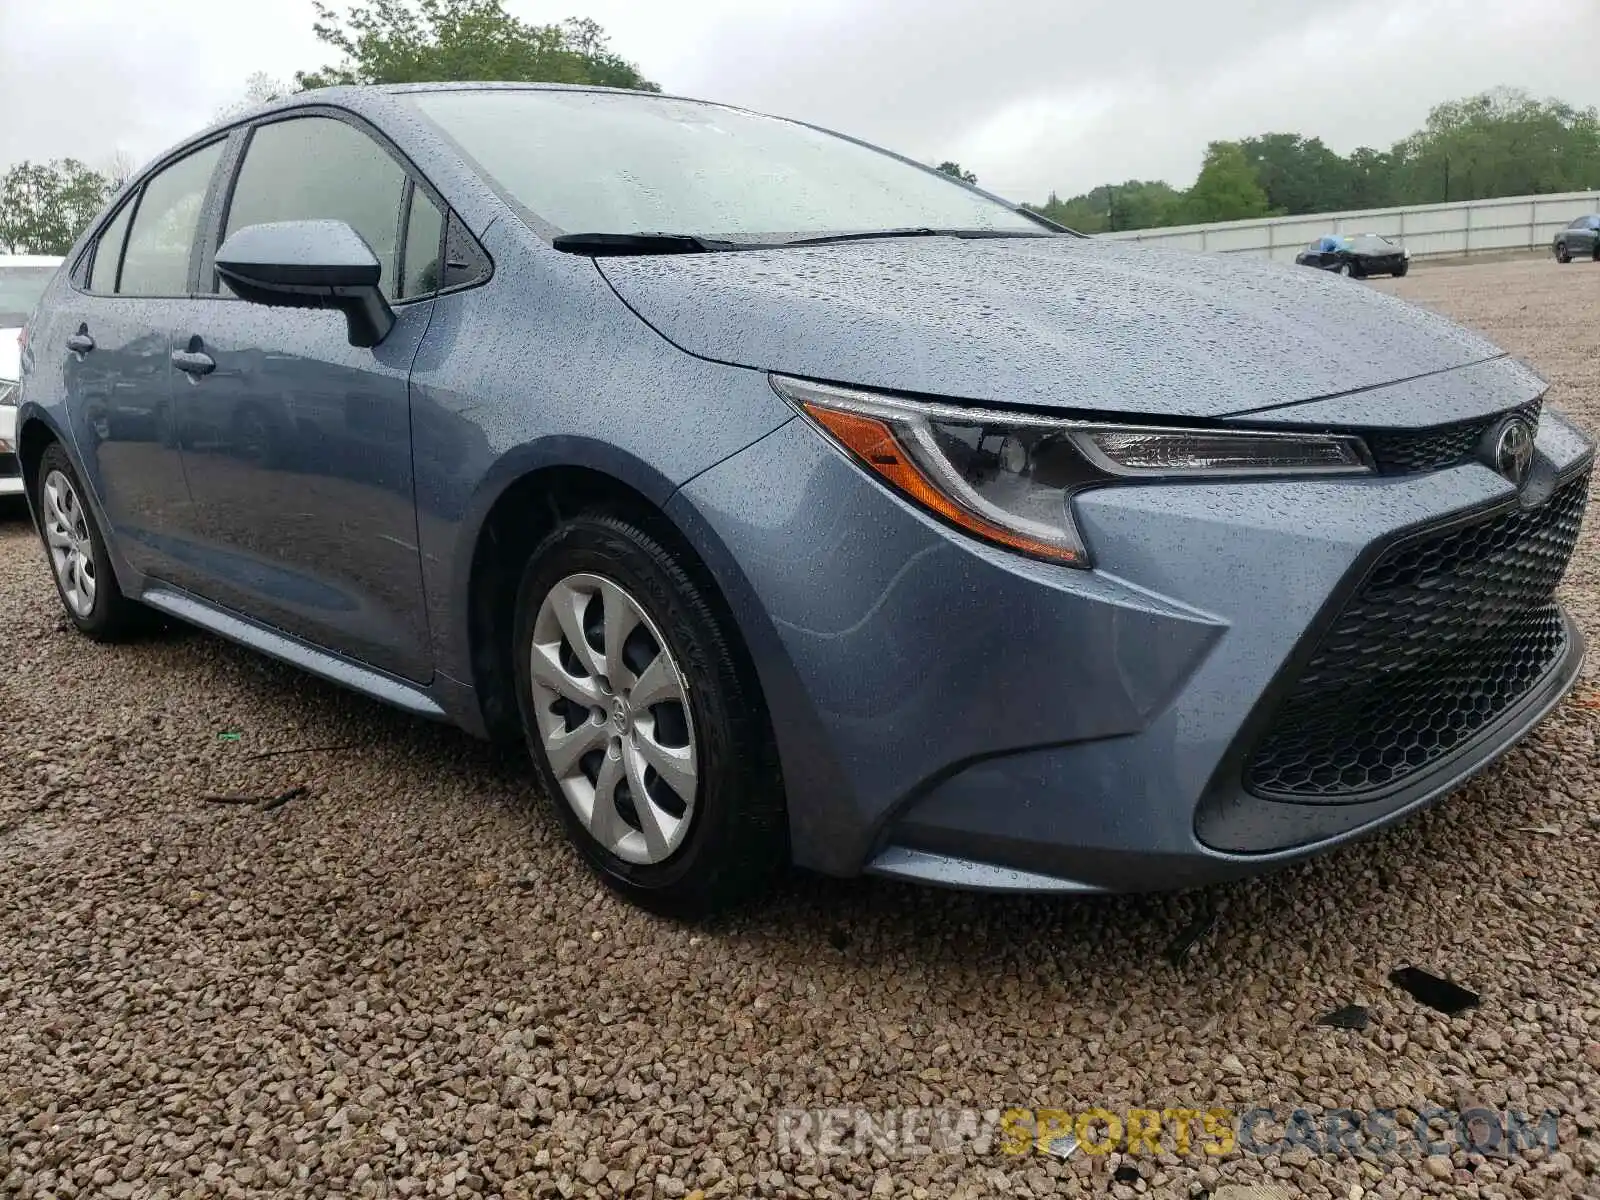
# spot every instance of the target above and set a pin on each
(793, 502)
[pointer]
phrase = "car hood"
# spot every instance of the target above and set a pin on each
(1078, 324)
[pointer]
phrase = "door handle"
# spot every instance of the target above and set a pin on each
(193, 362)
(80, 342)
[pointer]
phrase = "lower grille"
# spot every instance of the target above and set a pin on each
(1447, 632)
(9, 465)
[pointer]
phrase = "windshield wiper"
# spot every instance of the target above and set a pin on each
(603, 245)
(916, 231)
(612, 244)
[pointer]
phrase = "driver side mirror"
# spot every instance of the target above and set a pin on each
(309, 264)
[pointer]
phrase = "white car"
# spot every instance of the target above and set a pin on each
(23, 278)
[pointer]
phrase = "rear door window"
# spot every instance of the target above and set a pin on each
(108, 252)
(156, 262)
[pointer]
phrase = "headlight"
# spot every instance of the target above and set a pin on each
(1009, 477)
(8, 392)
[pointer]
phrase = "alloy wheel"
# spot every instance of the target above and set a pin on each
(66, 532)
(613, 717)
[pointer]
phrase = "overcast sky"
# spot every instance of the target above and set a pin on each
(1030, 94)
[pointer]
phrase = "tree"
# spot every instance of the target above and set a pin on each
(1298, 174)
(260, 88)
(953, 169)
(1226, 189)
(1498, 143)
(420, 41)
(44, 206)
(1134, 204)
(119, 169)
(1371, 178)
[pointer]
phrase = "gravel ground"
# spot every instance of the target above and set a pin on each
(402, 983)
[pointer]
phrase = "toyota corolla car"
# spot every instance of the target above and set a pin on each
(793, 502)
(23, 278)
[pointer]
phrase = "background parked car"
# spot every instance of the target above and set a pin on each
(1360, 255)
(23, 279)
(1581, 239)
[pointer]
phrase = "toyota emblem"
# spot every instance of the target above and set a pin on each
(1511, 450)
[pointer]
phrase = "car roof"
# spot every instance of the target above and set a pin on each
(29, 260)
(372, 100)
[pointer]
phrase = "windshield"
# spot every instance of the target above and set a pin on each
(1370, 241)
(20, 289)
(597, 162)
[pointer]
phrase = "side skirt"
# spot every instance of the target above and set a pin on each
(311, 659)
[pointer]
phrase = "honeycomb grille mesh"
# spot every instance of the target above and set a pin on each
(1435, 449)
(1447, 632)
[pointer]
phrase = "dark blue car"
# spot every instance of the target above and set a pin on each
(793, 502)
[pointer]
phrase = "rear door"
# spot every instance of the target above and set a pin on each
(297, 445)
(115, 363)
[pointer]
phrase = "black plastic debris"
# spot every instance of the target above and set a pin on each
(1351, 1016)
(300, 750)
(1125, 1174)
(1449, 998)
(1189, 936)
(259, 803)
(281, 799)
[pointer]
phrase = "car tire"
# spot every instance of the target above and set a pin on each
(79, 562)
(704, 719)
(1347, 270)
(1562, 255)
(1401, 271)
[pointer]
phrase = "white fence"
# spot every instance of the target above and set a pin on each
(1471, 227)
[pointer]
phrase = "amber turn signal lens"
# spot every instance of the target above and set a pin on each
(874, 443)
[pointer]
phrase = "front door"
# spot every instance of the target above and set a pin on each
(297, 445)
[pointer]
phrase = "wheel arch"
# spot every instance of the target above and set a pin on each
(527, 503)
(35, 434)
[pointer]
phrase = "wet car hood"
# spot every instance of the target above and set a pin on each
(1070, 323)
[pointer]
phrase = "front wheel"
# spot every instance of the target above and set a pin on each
(1346, 270)
(1400, 271)
(645, 721)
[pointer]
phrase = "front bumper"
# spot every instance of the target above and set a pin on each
(955, 714)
